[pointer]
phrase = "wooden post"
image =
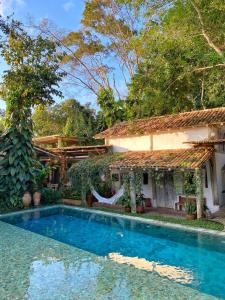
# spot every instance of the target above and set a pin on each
(83, 193)
(132, 193)
(199, 192)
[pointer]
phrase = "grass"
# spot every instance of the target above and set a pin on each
(202, 223)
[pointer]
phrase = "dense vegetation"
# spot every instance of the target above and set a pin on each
(68, 118)
(170, 55)
(138, 57)
(31, 79)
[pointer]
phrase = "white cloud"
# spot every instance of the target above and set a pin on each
(7, 7)
(67, 6)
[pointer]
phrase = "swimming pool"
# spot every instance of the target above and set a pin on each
(184, 258)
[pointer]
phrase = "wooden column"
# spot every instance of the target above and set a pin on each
(83, 192)
(199, 192)
(132, 193)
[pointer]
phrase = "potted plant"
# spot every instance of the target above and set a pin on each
(42, 173)
(140, 204)
(126, 204)
(26, 199)
(89, 199)
(190, 208)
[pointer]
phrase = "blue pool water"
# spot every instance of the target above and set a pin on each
(189, 258)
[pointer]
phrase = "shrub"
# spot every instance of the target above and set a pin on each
(49, 196)
(70, 193)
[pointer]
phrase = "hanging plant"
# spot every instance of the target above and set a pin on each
(178, 182)
(190, 183)
(89, 171)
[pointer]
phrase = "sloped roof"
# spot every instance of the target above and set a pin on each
(206, 142)
(198, 118)
(163, 159)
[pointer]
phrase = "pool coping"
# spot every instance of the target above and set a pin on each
(131, 218)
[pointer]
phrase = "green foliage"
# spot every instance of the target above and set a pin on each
(87, 172)
(112, 110)
(16, 166)
(49, 196)
(190, 186)
(31, 79)
(70, 193)
(183, 60)
(68, 118)
(198, 223)
(190, 207)
(40, 174)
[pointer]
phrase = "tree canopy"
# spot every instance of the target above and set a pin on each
(183, 60)
(68, 118)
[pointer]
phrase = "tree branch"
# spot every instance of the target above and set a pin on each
(204, 33)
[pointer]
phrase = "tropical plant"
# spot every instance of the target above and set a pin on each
(190, 207)
(31, 79)
(50, 196)
(40, 172)
(190, 184)
(70, 193)
(16, 166)
(86, 173)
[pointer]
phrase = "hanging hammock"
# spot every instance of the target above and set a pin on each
(111, 200)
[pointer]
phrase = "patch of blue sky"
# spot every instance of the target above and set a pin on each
(66, 15)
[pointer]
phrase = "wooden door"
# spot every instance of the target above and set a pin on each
(165, 193)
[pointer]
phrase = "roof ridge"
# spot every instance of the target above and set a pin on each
(186, 119)
(175, 114)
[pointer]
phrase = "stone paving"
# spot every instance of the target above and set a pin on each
(219, 216)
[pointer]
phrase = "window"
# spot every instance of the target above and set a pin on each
(145, 178)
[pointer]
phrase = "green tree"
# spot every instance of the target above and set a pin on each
(31, 79)
(67, 118)
(2, 127)
(112, 110)
(183, 60)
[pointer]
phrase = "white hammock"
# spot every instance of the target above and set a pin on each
(111, 200)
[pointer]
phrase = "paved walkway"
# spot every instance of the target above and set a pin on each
(219, 216)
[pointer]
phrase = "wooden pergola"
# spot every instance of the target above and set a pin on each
(52, 148)
(76, 153)
(55, 140)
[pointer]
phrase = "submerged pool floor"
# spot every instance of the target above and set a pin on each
(79, 255)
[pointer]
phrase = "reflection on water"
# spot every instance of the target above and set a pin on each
(151, 250)
(171, 272)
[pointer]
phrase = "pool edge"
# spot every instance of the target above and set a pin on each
(112, 214)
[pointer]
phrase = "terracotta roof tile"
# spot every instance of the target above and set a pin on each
(198, 118)
(163, 159)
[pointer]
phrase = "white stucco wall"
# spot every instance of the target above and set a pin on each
(123, 144)
(220, 162)
(208, 195)
(175, 140)
(159, 141)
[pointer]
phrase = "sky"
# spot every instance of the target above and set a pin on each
(65, 14)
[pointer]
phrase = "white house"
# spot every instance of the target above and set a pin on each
(171, 145)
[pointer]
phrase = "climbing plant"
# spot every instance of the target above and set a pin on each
(31, 78)
(87, 172)
(190, 183)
